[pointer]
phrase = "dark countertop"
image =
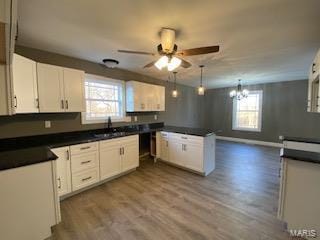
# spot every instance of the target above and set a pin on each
(305, 140)
(24, 157)
(190, 131)
(16, 152)
(305, 156)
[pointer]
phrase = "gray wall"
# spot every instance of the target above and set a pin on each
(283, 112)
(183, 111)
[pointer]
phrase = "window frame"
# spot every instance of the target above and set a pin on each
(234, 114)
(101, 79)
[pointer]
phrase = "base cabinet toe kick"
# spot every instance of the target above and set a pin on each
(193, 153)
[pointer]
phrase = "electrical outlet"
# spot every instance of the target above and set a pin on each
(135, 118)
(47, 124)
(155, 117)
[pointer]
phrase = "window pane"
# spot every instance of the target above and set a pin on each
(247, 120)
(103, 99)
(247, 112)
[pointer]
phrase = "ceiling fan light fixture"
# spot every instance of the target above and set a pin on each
(174, 63)
(162, 62)
(110, 63)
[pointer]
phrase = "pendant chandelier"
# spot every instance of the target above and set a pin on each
(201, 88)
(174, 91)
(239, 93)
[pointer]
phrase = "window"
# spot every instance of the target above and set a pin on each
(247, 112)
(104, 97)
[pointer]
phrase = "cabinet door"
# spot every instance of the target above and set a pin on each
(73, 90)
(130, 155)
(63, 170)
(176, 154)
(162, 99)
(25, 85)
(110, 159)
(193, 157)
(164, 152)
(50, 88)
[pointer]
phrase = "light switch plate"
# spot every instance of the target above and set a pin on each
(47, 124)
(155, 117)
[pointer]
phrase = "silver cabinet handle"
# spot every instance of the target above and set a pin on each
(37, 103)
(313, 67)
(68, 155)
(15, 102)
(86, 179)
(120, 151)
(184, 137)
(185, 147)
(123, 151)
(85, 162)
(62, 104)
(59, 183)
(67, 104)
(84, 148)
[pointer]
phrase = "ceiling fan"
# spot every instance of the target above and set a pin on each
(170, 55)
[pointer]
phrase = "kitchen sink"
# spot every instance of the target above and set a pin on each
(110, 135)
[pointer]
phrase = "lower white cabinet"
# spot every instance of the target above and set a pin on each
(29, 206)
(118, 155)
(63, 165)
(79, 166)
(188, 151)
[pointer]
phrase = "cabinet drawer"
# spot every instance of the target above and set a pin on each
(129, 139)
(84, 161)
(83, 148)
(186, 138)
(85, 178)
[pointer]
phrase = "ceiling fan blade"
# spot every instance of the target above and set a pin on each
(149, 64)
(198, 51)
(185, 64)
(136, 52)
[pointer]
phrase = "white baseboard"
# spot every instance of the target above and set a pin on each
(249, 141)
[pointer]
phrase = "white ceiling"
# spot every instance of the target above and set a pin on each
(260, 41)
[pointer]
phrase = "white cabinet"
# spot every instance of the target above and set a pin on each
(143, 97)
(73, 80)
(164, 146)
(299, 194)
(50, 88)
(29, 203)
(63, 175)
(130, 153)
(190, 152)
(84, 165)
(118, 155)
(25, 87)
(314, 85)
(60, 89)
(110, 158)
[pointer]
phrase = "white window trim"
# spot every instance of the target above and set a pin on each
(125, 118)
(234, 112)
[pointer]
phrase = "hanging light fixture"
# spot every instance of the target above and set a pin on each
(170, 62)
(239, 93)
(174, 91)
(201, 88)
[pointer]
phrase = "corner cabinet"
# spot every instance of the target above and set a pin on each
(314, 85)
(143, 97)
(60, 89)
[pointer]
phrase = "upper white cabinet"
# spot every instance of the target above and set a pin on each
(314, 86)
(60, 89)
(73, 90)
(25, 85)
(143, 97)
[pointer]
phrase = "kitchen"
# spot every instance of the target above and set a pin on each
(91, 149)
